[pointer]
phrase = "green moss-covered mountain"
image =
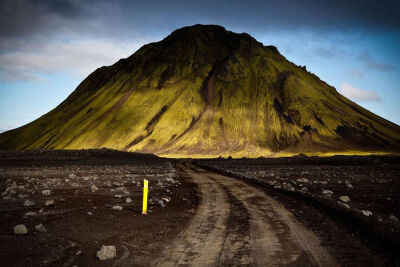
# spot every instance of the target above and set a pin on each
(204, 91)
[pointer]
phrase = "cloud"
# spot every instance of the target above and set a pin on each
(356, 73)
(373, 64)
(356, 94)
(78, 57)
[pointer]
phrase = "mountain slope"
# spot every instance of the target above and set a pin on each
(204, 91)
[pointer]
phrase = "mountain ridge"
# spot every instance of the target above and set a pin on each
(240, 98)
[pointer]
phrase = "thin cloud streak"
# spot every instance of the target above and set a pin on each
(357, 94)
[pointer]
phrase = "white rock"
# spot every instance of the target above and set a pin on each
(49, 203)
(393, 218)
(166, 199)
(118, 196)
(72, 176)
(366, 212)
(94, 188)
(46, 192)
(327, 193)
(117, 208)
(106, 252)
(304, 189)
(90, 213)
(30, 214)
(20, 229)
(343, 205)
(348, 184)
(128, 200)
(40, 228)
(344, 198)
(28, 203)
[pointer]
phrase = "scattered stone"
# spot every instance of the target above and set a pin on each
(348, 184)
(20, 229)
(90, 213)
(304, 189)
(393, 218)
(302, 180)
(30, 214)
(46, 192)
(40, 228)
(366, 212)
(94, 188)
(106, 252)
(128, 200)
(49, 203)
(327, 193)
(72, 176)
(28, 203)
(161, 203)
(117, 208)
(118, 196)
(166, 199)
(343, 205)
(344, 198)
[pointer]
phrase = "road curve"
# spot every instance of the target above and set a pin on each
(238, 224)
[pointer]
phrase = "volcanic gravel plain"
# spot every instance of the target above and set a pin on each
(297, 211)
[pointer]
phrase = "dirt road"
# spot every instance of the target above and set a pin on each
(237, 224)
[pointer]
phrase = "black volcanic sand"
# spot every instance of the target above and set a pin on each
(73, 236)
(353, 238)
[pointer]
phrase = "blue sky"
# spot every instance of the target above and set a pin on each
(48, 47)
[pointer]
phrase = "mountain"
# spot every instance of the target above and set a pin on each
(204, 91)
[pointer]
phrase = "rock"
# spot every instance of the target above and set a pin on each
(40, 228)
(304, 189)
(28, 203)
(366, 212)
(344, 198)
(72, 176)
(348, 184)
(94, 188)
(46, 192)
(106, 252)
(118, 196)
(20, 229)
(302, 180)
(166, 199)
(49, 203)
(161, 203)
(90, 213)
(343, 205)
(117, 208)
(327, 193)
(393, 218)
(128, 200)
(30, 214)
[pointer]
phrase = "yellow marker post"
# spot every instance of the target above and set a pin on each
(145, 193)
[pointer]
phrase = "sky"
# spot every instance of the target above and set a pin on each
(48, 47)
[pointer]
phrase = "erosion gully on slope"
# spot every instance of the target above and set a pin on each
(271, 236)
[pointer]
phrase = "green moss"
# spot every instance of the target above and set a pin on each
(224, 94)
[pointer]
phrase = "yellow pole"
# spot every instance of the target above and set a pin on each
(145, 193)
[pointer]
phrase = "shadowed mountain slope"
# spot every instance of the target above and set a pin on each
(204, 91)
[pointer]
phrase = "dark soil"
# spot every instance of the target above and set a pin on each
(73, 236)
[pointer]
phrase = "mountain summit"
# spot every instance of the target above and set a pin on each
(204, 91)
